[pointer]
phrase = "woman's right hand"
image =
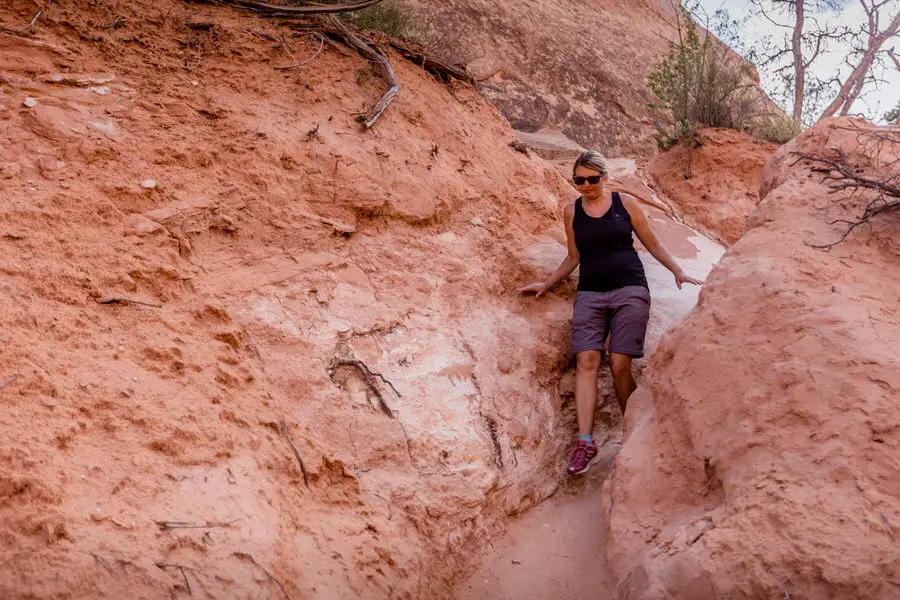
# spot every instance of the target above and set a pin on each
(539, 288)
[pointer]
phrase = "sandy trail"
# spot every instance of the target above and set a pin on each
(554, 552)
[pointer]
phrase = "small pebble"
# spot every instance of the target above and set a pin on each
(30, 102)
(148, 184)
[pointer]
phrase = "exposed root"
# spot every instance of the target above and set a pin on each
(387, 72)
(278, 10)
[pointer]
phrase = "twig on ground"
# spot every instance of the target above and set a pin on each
(311, 58)
(290, 442)
(786, 580)
(23, 29)
(9, 381)
(115, 23)
(183, 574)
(249, 557)
(888, 525)
(118, 300)
(167, 525)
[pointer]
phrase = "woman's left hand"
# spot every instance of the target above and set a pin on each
(682, 277)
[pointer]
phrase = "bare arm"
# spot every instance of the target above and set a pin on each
(651, 243)
(568, 264)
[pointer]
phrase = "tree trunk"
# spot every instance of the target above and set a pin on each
(799, 66)
(854, 81)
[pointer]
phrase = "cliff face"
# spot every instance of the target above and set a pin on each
(760, 460)
(576, 67)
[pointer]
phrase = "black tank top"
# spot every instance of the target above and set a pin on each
(608, 260)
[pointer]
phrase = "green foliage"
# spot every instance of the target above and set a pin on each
(391, 17)
(893, 115)
(699, 85)
(780, 129)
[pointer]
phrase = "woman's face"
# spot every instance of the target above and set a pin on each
(588, 181)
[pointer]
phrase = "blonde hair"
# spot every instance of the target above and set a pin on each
(592, 160)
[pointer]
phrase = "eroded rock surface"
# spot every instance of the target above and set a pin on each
(723, 188)
(577, 68)
(760, 461)
(246, 347)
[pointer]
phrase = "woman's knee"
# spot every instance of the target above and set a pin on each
(587, 361)
(620, 367)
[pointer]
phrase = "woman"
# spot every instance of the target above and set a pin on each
(613, 297)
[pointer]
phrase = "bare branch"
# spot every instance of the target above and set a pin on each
(876, 40)
(387, 72)
(882, 189)
(308, 60)
(894, 58)
(278, 10)
(23, 29)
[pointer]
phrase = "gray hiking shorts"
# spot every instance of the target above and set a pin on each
(622, 314)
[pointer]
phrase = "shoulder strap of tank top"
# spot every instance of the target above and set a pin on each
(617, 199)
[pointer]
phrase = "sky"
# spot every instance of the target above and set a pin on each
(874, 103)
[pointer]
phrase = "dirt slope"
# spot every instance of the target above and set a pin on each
(760, 461)
(723, 189)
(358, 285)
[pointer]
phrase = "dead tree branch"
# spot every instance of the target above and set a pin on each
(383, 64)
(167, 525)
(894, 58)
(333, 26)
(278, 10)
(23, 29)
(882, 188)
(311, 58)
(439, 68)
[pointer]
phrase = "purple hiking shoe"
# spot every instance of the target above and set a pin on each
(582, 457)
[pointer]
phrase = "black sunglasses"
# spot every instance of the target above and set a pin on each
(593, 179)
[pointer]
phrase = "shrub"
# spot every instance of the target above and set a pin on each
(701, 85)
(391, 17)
(893, 115)
(779, 129)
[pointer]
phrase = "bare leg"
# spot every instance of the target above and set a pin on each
(587, 364)
(623, 380)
